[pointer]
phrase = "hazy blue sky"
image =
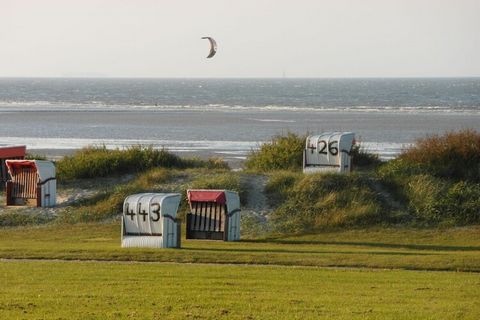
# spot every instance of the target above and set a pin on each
(256, 38)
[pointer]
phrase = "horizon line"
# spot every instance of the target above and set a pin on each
(228, 77)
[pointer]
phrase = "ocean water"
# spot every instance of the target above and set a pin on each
(229, 117)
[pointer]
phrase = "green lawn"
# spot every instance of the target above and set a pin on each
(456, 249)
(106, 290)
(284, 283)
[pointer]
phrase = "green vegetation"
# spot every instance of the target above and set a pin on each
(436, 182)
(316, 201)
(454, 155)
(455, 249)
(30, 156)
(108, 204)
(14, 219)
(279, 186)
(59, 290)
(438, 179)
(94, 162)
(363, 158)
(283, 152)
(319, 220)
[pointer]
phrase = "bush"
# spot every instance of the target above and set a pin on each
(362, 158)
(436, 201)
(279, 185)
(461, 203)
(424, 193)
(281, 153)
(21, 219)
(94, 162)
(319, 201)
(454, 155)
(438, 178)
(32, 156)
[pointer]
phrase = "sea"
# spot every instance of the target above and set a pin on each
(230, 117)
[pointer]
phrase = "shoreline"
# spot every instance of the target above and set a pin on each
(235, 163)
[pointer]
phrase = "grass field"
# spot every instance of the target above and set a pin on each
(88, 290)
(456, 249)
(280, 278)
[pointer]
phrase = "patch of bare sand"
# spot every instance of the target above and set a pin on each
(256, 212)
(67, 194)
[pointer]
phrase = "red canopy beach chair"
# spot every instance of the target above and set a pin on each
(12, 153)
(214, 215)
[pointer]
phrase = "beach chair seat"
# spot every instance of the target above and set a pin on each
(214, 215)
(32, 182)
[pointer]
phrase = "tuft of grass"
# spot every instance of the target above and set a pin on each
(454, 155)
(363, 158)
(95, 161)
(110, 203)
(438, 178)
(319, 201)
(32, 156)
(279, 186)
(12, 219)
(283, 152)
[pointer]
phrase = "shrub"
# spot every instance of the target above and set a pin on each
(32, 156)
(437, 187)
(424, 193)
(283, 152)
(93, 162)
(362, 158)
(436, 201)
(454, 155)
(327, 200)
(21, 219)
(461, 203)
(279, 185)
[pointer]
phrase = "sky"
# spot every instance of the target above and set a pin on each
(256, 38)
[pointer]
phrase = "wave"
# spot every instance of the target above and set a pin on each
(272, 120)
(40, 105)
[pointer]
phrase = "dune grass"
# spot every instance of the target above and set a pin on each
(109, 203)
(453, 155)
(59, 290)
(438, 179)
(98, 161)
(433, 183)
(285, 152)
(306, 203)
(108, 196)
(282, 152)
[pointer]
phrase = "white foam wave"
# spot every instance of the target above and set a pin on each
(272, 120)
(174, 145)
(12, 106)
